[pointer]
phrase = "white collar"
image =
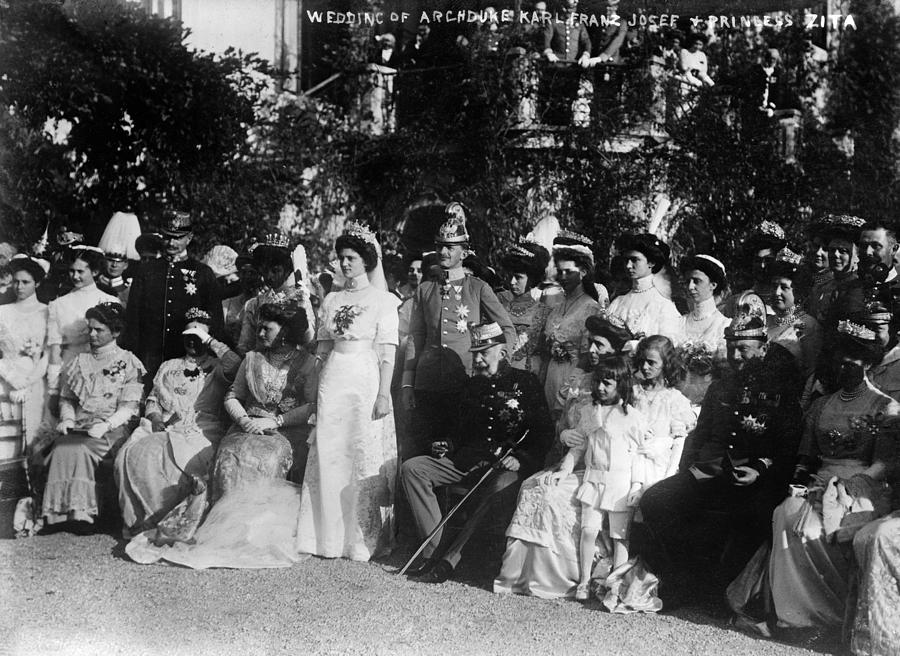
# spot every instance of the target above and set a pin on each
(704, 309)
(359, 282)
(891, 275)
(642, 284)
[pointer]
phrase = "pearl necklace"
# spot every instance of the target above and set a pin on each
(846, 396)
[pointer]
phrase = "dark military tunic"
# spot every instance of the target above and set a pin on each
(496, 411)
(161, 293)
(568, 40)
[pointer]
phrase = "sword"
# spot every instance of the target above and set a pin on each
(446, 518)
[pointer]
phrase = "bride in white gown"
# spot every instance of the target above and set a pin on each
(346, 508)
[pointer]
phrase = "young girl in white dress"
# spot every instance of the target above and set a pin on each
(609, 441)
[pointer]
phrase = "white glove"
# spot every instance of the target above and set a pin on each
(98, 430)
(18, 395)
(65, 426)
(205, 337)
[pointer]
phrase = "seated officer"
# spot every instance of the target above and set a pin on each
(499, 403)
(741, 453)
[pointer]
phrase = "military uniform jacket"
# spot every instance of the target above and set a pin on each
(753, 423)
(853, 298)
(495, 412)
(438, 348)
(160, 295)
(568, 40)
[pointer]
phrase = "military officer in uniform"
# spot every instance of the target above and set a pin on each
(499, 403)
(567, 41)
(437, 358)
(741, 454)
(115, 280)
(163, 291)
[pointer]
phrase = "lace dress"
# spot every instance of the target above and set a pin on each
(348, 489)
(876, 623)
(647, 312)
(528, 318)
(670, 418)
(701, 341)
(252, 519)
(23, 329)
(105, 385)
(154, 470)
(566, 338)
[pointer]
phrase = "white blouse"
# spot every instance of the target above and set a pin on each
(645, 310)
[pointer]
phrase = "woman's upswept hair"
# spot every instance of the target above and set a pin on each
(674, 371)
(111, 315)
(364, 249)
(290, 316)
(618, 368)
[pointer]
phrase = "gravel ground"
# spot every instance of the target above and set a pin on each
(80, 595)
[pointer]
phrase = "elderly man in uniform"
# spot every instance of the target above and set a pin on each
(437, 358)
(741, 454)
(163, 291)
(499, 404)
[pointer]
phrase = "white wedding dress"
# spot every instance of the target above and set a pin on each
(346, 508)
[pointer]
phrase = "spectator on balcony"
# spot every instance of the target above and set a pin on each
(385, 52)
(766, 91)
(567, 41)
(419, 51)
(612, 37)
(671, 50)
(692, 63)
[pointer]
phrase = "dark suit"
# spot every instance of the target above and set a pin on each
(751, 419)
(161, 293)
(438, 360)
(494, 412)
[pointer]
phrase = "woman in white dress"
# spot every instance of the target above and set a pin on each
(346, 508)
(644, 309)
(702, 337)
(67, 331)
(23, 358)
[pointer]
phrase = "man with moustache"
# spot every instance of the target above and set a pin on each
(878, 280)
(437, 353)
(163, 291)
(740, 457)
(499, 404)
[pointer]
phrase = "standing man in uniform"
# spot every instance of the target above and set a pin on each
(437, 354)
(163, 291)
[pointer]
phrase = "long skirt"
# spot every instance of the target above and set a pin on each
(351, 473)
(876, 622)
(252, 520)
(154, 473)
(71, 490)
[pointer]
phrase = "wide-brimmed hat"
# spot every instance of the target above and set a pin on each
(527, 257)
(615, 332)
(453, 230)
(222, 260)
(486, 335)
(651, 246)
(857, 332)
(843, 226)
(768, 235)
(749, 321)
(176, 224)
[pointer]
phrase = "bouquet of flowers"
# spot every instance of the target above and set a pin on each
(698, 357)
(559, 352)
(32, 348)
(344, 317)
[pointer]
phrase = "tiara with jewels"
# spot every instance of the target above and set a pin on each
(846, 327)
(195, 314)
(521, 252)
(356, 229)
(574, 236)
(789, 256)
(771, 229)
(277, 240)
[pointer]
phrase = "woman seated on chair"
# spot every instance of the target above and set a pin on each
(844, 456)
(252, 521)
(99, 394)
(177, 438)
